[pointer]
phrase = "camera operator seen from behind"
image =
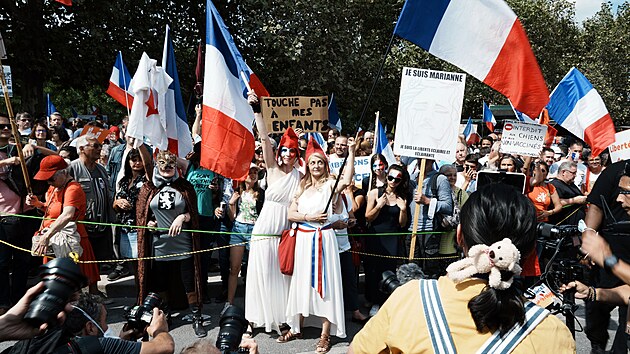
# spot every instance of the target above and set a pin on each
(476, 307)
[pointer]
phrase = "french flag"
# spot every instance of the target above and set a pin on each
(382, 145)
(227, 144)
(470, 133)
(177, 131)
(484, 38)
(578, 108)
(119, 83)
(333, 114)
(488, 117)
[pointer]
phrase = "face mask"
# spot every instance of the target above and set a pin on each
(109, 333)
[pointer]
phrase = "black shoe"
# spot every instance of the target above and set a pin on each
(221, 298)
(118, 274)
(197, 324)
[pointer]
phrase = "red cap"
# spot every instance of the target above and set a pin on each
(289, 139)
(116, 130)
(49, 165)
(313, 147)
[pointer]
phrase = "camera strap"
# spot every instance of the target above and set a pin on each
(442, 341)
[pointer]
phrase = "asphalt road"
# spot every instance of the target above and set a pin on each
(121, 292)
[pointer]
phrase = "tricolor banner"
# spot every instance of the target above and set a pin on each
(227, 144)
(484, 38)
(578, 108)
(488, 117)
(177, 131)
(119, 83)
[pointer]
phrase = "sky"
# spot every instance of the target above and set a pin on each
(587, 8)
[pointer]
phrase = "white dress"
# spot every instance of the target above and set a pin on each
(316, 289)
(266, 289)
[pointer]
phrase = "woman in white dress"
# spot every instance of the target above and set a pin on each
(316, 286)
(267, 289)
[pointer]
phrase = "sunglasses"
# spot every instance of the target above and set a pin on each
(5, 126)
(394, 179)
(624, 192)
(258, 151)
(95, 145)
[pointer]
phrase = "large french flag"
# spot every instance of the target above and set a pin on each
(119, 83)
(488, 117)
(484, 38)
(578, 108)
(177, 130)
(227, 144)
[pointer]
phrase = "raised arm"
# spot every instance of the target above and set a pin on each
(348, 173)
(268, 156)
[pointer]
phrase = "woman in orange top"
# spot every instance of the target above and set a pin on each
(542, 195)
(65, 202)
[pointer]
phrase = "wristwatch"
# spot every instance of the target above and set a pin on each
(610, 262)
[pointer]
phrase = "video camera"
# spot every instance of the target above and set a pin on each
(232, 325)
(140, 316)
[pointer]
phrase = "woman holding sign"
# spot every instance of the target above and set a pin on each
(267, 289)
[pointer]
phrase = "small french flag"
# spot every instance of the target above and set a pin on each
(119, 83)
(578, 108)
(470, 133)
(488, 117)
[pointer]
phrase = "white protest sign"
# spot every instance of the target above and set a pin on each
(8, 79)
(520, 138)
(429, 110)
(361, 167)
(620, 149)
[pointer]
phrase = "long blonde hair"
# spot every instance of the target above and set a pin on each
(307, 179)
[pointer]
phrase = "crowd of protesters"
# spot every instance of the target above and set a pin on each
(289, 185)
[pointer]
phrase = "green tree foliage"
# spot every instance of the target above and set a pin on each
(300, 47)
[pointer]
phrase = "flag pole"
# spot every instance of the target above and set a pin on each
(416, 213)
(363, 113)
(14, 130)
(122, 68)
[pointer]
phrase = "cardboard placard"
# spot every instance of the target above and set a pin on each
(99, 133)
(620, 149)
(307, 113)
(429, 111)
(520, 138)
(361, 167)
(9, 81)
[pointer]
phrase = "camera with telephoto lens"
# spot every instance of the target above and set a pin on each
(140, 316)
(62, 278)
(232, 325)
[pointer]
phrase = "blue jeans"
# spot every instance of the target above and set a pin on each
(128, 243)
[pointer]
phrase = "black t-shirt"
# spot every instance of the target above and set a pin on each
(568, 215)
(604, 195)
(119, 346)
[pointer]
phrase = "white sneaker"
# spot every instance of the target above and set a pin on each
(374, 310)
(225, 307)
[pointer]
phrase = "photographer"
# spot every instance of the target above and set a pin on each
(89, 319)
(476, 312)
(607, 244)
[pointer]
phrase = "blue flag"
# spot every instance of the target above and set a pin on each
(333, 114)
(50, 107)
